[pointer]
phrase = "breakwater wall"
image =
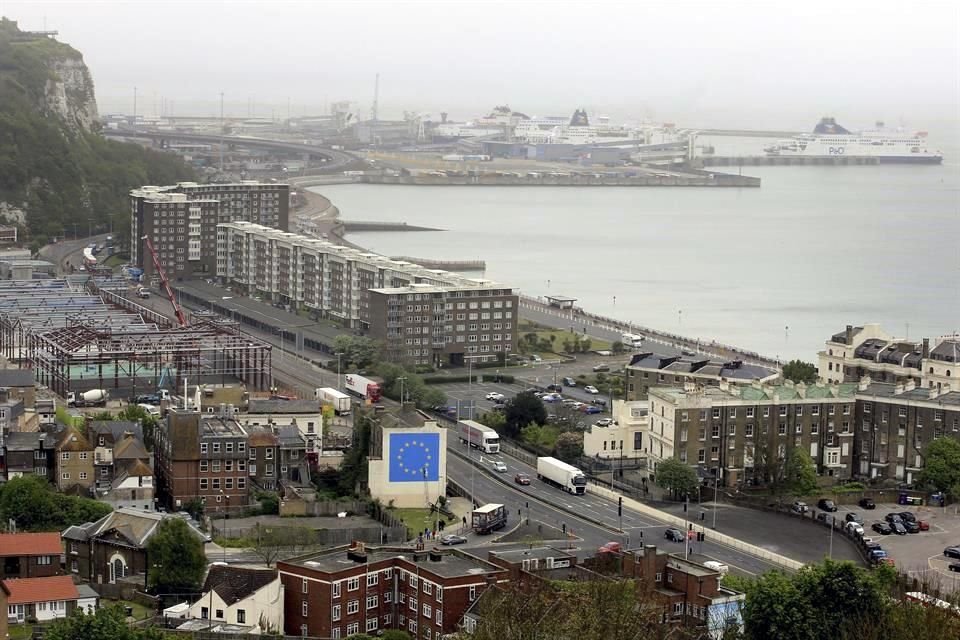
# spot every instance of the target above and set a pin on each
(706, 179)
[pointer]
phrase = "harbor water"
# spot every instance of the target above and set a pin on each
(775, 270)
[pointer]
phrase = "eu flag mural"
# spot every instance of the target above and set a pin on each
(414, 457)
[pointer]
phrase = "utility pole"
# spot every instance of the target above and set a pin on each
(401, 380)
(221, 132)
(716, 484)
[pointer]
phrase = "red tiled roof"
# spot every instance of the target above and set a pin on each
(30, 544)
(30, 590)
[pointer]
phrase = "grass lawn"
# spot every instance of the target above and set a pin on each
(140, 612)
(116, 260)
(419, 519)
(559, 335)
(20, 631)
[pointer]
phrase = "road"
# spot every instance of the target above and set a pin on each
(69, 251)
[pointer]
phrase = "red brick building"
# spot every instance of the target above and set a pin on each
(30, 555)
(342, 591)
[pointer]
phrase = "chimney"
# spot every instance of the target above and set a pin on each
(689, 386)
(898, 389)
(788, 383)
(4, 394)
(724, 384)
(864, 383)
(849, 334)
(801, 389)
(756, 384)
(223, 410)
(926, 348)
(910, 385)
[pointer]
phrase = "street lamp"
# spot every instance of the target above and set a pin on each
(401, 380)
(225, 524)
(339, 382)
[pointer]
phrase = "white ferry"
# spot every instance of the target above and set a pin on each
(831, 140)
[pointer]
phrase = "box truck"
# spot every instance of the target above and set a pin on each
(479, 435)
(489, 517)
(339, 400)
(561, 474)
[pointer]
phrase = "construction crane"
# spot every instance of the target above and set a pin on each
(181, 319)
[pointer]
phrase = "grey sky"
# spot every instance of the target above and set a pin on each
(695, 63)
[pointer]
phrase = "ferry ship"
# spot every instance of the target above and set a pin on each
(831, 140)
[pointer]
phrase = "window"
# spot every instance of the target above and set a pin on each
(204, 613)
(303, 608)
(427, 611)
(304, 585)
(732, 413)
(388, 597)
(216, 447)
(372, 602)
(750, 411)
(677, 608)
(428, 587)
(65, 476)
(473, 592)
(269, 453)
(701, 456)
(783, 411)
(815, 411)
(241, 616)
(43, 560)
(439, 593)
(204, 466)
(241, 447)
(373, 579)
(766, 412)
(748, 431)
(371, 624)
(83, 455)
(714, 453)
(412, 603)
(65, 455)
(782, 429)
(353, 606)
(335, 632)
(413, 582)
(439, 616)
(352, 628)
(353, 584)
(716, 412)
(659, 577)
(204, 484)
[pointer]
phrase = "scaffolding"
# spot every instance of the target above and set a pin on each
(76, 341)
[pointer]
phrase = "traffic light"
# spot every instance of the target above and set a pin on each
(703, 515)
(701, 536)
(564, 528)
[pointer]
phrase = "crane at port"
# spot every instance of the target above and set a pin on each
(165, 283)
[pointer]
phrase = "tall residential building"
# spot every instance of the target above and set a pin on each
(181, 221)
(389, 298)
(742, 431)
(856, 352)
(650, 369)
(895, 423)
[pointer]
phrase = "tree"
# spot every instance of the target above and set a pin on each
(520, 411)
(776, 608)
(136, 413)
(357, 352)
(800, 476)
(569, 446)
(32, 503)
(106, 623)
(676, 476)
(177, 561)
(617, 347)
(493, 419)
(941, 470)
(800, 371)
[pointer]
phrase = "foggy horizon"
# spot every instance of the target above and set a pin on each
(731, 64)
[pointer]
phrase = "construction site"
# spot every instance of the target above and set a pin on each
(78, 334)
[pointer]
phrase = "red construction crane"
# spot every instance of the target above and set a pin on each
(165, 283)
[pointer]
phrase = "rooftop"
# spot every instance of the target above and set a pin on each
(217, 427)
(136, 526)
(30, 590)
(30, 544)
(538, 553)
(233, 584)
(16, 378)
(760, 393)
(265, 405)
(445, 563)
(116, 428)
(917, 394)
(28, 440)
(947, 351)
(733, 370)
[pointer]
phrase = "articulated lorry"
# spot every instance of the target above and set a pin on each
(339, 400)
(561, 474)
(363, 387)
(478, 435)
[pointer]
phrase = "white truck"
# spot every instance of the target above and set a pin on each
(363, 387)
(632, 340)
(478, 435)
(339, 400)
(92, 398)
(561, 474)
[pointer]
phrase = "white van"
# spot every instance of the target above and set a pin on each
(633, 340)
(150, 409)
(719, 567)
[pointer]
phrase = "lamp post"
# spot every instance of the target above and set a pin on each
(227, 498)
(339, 382)
(716, 484)
(470, 360)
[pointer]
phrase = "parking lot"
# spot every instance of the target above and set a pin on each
(471, 399)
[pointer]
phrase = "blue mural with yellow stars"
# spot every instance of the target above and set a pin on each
(414, 457)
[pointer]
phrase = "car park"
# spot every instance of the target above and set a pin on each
(853, 517)
(496, 397)
(499, 467)
(826, 505)
(451, 539)
(569, 382)
(674, 535)
(952, 552)
(800, 507)
(898, 528)
(911, 526)
(893, 517)
(591, 389)
(556, 388)
(521, 478)
(882, 528)
(924, 525)
(907, 516)
(552, 397)
(590, 409)
(867, 503)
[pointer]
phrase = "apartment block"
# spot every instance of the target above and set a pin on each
(202, 456)
(442, 326)
(650, 369)
(863, 351)
(372, 293)
(740, 431)
(181, 221)
(362, 589)
(895, 422)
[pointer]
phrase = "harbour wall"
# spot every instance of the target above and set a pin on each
(707, 179)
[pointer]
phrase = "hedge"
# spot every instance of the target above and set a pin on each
(487, 377)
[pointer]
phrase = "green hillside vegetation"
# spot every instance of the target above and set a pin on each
(60, 173)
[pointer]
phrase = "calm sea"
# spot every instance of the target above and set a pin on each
(775, 269)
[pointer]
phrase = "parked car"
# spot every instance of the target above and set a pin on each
(893, 517)
(674, 535)
(552, 397)
(496, 397)
(556, 388)
(570, 402)
(800, 507)
(601, 367)
(719, 567)
(610, 547)
(569, 382)
(826, 505)
(911, 526)
(924, 525)
(954, 566)
(499, 467)
(591, 389)
(590, 409)
(898, 528)
(853, 517)
(882, 528)
(521, 478)
(952, 552)
(603, 422)
(907, 516)
(855, 528)
(867, 503)
(451, 539)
